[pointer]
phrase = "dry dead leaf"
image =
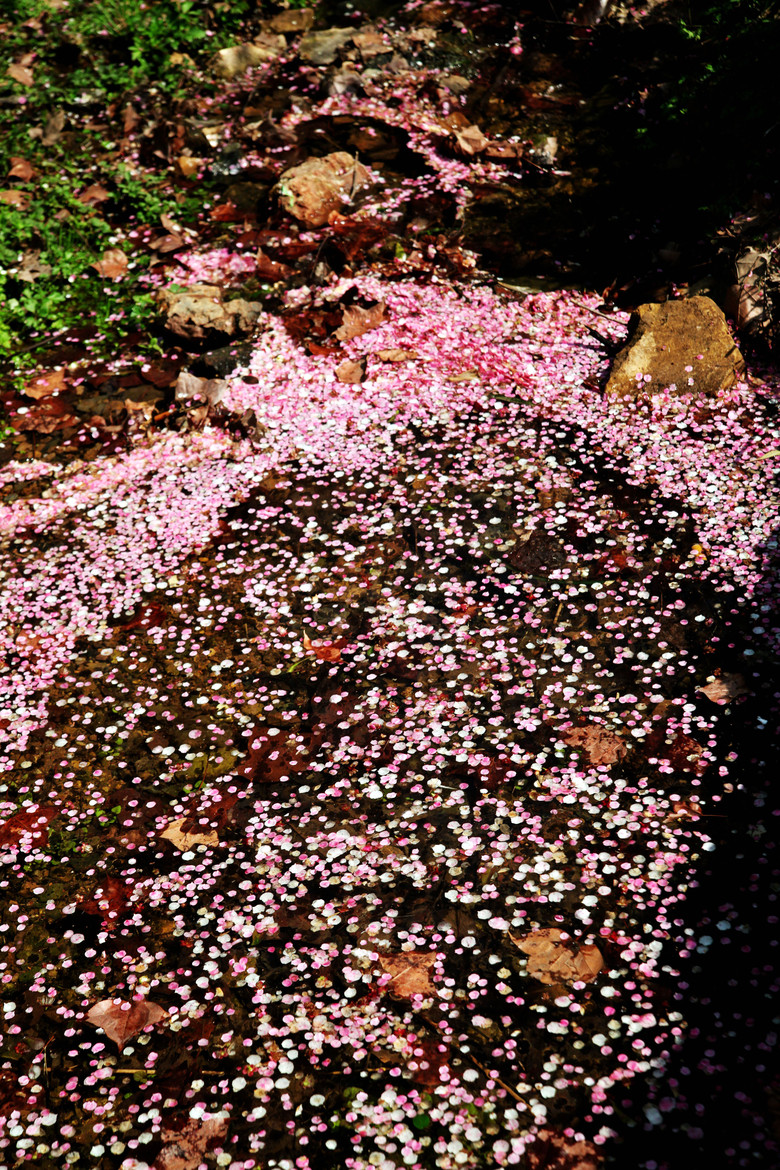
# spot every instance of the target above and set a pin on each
(471, 140)
(112, 264)
(552, 1150)
(722, 690)
(326, 652)
(185, 841)
(314, 189)
(21, 168)
(94, 193)
(53, 127)
(185, 1148)
(395, 355)
(271, 269)
(15, 199)
(21, 73)
(600, 745)
(350, 371)
(32, 267)
(189, 165)
(410, 973)
(466, 376)
(553, 960)
(121, 1020)
(357, 321)
(45, 384)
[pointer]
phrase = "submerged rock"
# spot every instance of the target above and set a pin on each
(685, 345)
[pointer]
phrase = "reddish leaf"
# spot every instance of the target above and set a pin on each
(271, 757)
(108, 899)
(121, 1020)
(45, 384)
(31, 824)
(326, 652)
(552, 1150)
(271, 269)
(358, 321)
(410, 973)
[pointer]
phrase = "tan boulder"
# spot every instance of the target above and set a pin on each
(320, 186)
(682, 344)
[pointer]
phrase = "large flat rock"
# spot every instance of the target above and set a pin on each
(684, 345)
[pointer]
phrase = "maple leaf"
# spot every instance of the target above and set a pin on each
(410, 973)
(177, 834)
(121, 1020)
(552, 960)
(358, 321)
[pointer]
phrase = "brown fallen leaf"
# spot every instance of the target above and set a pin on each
(32, 267)
(21, 168)
(45, 384)
(271, 269)
(94, 193)
(121, 1020)
(553, 960)
(553, 1150)
(466, 376)
(185, 841)
(600, 745)
(357, 321)
(53, 127)
(395, 355)
(722, 690)
(314, 189)
(185, 1148)
(21, 73)
(350, 371)
(471, 140)
(112, 264)
(170, 242)
(189, 165)
(15, 199)
(410, 973)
